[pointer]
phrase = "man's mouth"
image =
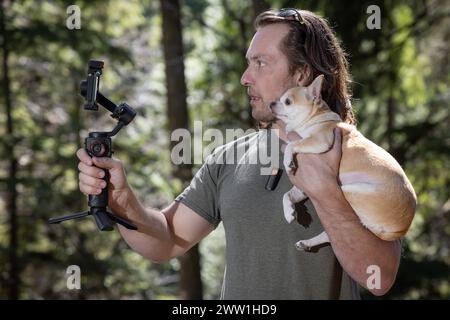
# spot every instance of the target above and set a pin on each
(253, 98)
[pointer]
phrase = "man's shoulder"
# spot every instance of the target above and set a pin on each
(244, 139)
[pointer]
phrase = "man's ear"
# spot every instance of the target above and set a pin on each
(316, 86)
(302, 75)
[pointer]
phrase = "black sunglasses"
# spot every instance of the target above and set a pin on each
(291, 14)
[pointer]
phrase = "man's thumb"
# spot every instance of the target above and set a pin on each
(106, 163)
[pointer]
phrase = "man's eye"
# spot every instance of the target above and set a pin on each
(287, 102)
(260, 63)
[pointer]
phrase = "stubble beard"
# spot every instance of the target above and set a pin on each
(262, 113)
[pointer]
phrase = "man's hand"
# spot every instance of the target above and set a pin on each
(91, 183)
(316, 172)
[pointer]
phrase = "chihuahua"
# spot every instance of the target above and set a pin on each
(372, 181)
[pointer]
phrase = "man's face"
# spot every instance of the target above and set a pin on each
(267, 75)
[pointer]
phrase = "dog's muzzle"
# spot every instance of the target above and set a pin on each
(276, 108)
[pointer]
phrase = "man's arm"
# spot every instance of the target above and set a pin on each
(163, 235)
(355, 247)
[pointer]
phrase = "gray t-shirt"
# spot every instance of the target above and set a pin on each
(261, 259)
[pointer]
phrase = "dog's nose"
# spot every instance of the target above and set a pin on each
(272, 105)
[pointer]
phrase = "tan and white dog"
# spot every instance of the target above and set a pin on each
(372, 181)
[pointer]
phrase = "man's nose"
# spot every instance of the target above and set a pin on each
(246, 79)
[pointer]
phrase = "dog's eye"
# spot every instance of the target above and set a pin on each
(287, 102)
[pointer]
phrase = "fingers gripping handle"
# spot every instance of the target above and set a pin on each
(98, 204)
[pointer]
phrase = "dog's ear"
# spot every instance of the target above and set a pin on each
(316, 86)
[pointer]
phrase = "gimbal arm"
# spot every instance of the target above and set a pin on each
(123, 113)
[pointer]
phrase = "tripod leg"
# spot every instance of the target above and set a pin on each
(122, 221)
(69, 217)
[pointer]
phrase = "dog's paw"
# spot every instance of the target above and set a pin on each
(287, 164)
(288, 160)
(292, 167)
(290, 164)
(302, 246)
(290, 171)
(289, 215)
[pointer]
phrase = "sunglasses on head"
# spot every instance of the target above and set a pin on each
(291, 14)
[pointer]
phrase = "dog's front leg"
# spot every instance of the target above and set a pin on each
(288, 159)
(306, 245)
(289, 198)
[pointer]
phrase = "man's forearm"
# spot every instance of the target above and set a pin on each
(153, 238)
(356, 247)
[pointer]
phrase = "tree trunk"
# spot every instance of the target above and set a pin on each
(11, 193)
(259, 6)
(177, 113)
(391, 110)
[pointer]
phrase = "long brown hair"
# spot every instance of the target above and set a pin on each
(314, 44)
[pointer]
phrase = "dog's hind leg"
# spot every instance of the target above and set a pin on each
(289, 198)
(306, 245)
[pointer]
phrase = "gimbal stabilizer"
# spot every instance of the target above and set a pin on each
(99, 144)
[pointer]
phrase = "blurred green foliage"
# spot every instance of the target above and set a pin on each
(401, 98)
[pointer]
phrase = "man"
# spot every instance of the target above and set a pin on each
(289, 48)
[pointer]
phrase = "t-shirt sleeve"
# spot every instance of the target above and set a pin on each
(201, 195)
